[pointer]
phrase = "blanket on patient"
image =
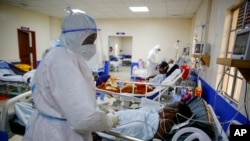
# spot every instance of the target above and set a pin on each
(110, 83)
(141, 123)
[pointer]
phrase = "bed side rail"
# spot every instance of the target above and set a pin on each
(4, 114)
(120, 136)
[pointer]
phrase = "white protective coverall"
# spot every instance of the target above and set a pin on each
(151, 61)
(64, 89)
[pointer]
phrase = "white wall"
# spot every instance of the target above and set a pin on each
(12, 18)
(127, 45)
(146, 33)
(123, 42)
(217, 35)
(214, 19)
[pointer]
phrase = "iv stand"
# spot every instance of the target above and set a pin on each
(199, 63)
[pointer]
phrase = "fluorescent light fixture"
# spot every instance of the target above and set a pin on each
(78, 11)
(139, 9)
(69, 10)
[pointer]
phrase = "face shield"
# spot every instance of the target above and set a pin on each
(79, 33)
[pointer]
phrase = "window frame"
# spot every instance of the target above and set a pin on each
(232, 80)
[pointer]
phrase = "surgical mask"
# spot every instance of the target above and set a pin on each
(88, 51)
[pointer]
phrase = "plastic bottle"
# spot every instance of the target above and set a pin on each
(183, 91)
(198, 89)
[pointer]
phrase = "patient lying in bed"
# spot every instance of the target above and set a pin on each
(110, 83)
(157, 79)
(147, 124)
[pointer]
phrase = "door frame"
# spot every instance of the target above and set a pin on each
(32, 47)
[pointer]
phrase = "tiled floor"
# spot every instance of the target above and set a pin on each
(123, 73)
(16, 138)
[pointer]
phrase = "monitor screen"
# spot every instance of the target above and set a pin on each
(199, 48)
(240, 44)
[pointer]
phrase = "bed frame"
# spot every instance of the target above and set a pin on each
(7, 114)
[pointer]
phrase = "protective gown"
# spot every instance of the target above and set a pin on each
(64, 90)
(151, 61)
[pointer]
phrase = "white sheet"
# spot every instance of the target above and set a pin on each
(141, 123)
(142, 73)
(9, 75)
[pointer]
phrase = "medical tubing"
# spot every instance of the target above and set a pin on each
(164, 124)
(164, 129)
(203, 136)
(155, 130)
(215, 97)
(238, 111)
(190, 119)
(245, 101)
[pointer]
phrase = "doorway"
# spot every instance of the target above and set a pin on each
(122, 47)
(27, 47)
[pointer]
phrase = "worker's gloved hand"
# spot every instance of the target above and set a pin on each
(113, 120)
(104, 108)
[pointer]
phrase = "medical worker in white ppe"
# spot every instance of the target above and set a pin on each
(151, 61)
(64, 90)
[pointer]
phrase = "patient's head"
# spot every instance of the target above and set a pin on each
(173, 114)
(171, 61)
(163, 67)
(183, 112)
(177, 112)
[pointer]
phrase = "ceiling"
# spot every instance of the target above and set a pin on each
(112, 9)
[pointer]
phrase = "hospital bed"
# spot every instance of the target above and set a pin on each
(126, 59)
(141, 73)
(8, 115)
(156, 90)
(13, 80)
(159, 90)
(115, 65)
(203, 125)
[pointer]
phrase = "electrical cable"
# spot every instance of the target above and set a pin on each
(245, 103)
(222, 77)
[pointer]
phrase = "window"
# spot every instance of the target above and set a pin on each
(232, 79)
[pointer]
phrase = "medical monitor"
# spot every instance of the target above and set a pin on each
(186, 50)
(241, 48)
(202, 48)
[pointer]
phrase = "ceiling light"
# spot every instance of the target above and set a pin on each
(139, 9)
(78, 11)
(69, 10)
